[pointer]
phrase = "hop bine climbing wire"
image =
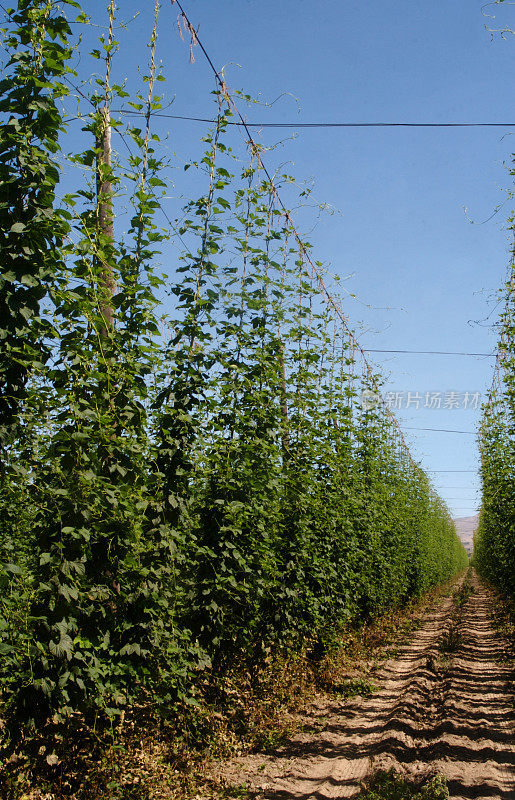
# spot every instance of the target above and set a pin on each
(315, 269)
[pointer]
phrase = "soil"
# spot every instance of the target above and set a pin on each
(445, 704)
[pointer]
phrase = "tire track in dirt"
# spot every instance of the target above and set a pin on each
(447, 712)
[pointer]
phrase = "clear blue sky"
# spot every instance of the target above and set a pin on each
(422, 273)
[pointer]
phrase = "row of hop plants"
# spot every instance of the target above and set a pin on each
(177, 497)
(494, 542)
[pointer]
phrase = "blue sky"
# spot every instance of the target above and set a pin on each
(425, 277)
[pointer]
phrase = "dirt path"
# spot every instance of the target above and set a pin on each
(445, 704)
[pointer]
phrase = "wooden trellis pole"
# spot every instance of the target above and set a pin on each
(105, 216)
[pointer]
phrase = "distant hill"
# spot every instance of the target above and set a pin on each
(466, 526)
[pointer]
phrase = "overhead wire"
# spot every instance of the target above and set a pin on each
(447, 488)
(294, 125)
(429, 352)
(440, 430)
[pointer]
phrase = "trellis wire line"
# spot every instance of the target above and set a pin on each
(293, 125)
(440, 430)
(430, 352)
(303, 124)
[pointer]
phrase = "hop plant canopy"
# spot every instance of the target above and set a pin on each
(188, 482)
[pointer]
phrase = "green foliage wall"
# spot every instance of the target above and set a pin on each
(177, 497)
(494, 544)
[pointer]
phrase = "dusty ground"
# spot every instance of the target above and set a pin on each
(444, 704)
